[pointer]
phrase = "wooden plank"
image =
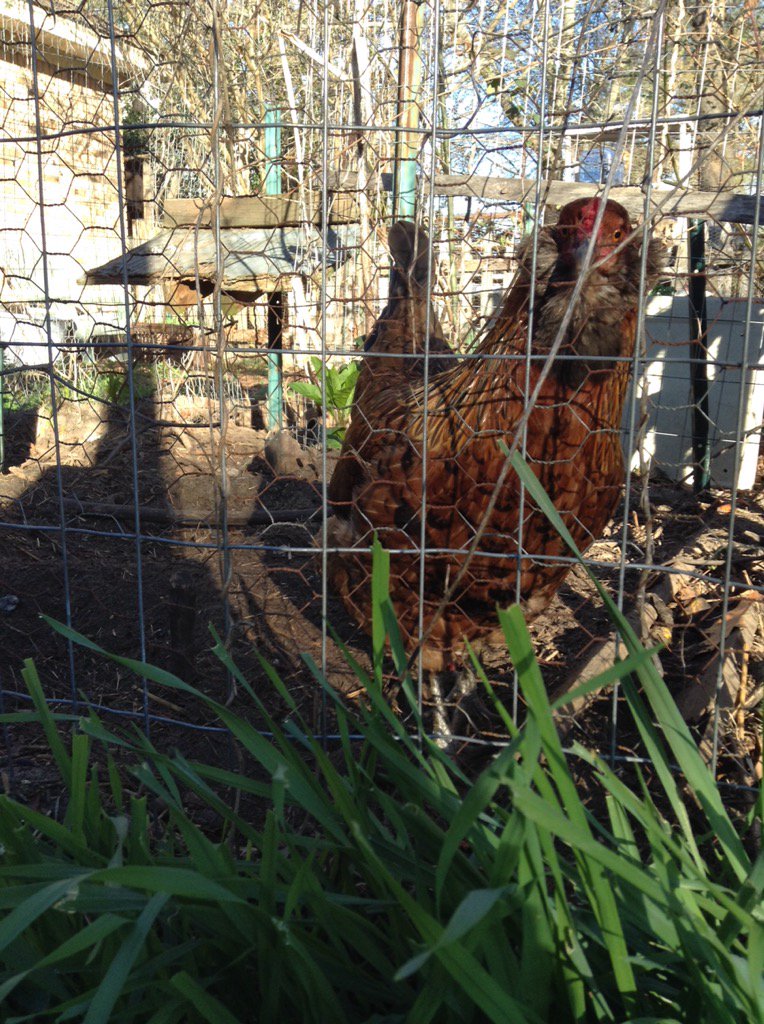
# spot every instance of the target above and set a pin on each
(723, 206)
(255, 212)
(347, 181)
(487, 265)
(334, 69)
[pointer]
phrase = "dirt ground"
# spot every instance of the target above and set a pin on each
(257, 578)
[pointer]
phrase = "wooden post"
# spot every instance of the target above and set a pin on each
(407, 118)
(362, 115)
(701, 448)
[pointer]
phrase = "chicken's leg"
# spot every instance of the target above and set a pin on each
(449, 718)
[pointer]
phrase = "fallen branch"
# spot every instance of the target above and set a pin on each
(658, 598)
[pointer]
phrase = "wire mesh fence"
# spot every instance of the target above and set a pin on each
(194, 259)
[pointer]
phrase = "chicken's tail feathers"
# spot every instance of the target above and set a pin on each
(410, 249)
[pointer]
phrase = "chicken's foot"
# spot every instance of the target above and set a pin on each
(449, 725)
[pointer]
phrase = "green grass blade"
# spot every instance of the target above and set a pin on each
(596, 884)
(23, 916)
(206, 1005)
(172, 881)
(476, 799)
(110, 989)
(380, 596)
(538, 953)
(464, 968)
(469, 913)
(91, 935)
(75, 812)
(32, 680)
(675, 729)
(614, 674)
(46, 826)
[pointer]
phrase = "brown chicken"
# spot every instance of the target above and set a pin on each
(572, 442)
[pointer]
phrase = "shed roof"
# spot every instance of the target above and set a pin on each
(67, 43)
(253, 259)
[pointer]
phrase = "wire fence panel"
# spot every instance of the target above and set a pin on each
(224, 371)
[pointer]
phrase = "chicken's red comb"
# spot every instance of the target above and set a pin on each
(589, 213)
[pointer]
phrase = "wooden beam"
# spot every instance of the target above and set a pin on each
(668, 202)
(255, 212)
(285, 211)
(487, 265)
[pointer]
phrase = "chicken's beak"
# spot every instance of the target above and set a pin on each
(580, 254)
(599, 255)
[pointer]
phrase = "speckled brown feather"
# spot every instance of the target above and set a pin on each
(573, 445)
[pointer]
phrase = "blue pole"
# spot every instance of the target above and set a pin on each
(273, 187)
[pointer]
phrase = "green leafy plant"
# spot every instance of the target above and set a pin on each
(136, 139)
(379, 883)
(340, 384)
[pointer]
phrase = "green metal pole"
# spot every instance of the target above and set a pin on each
(273, 187)
(272, 152)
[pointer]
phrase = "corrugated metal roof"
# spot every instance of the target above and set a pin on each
(252, 258)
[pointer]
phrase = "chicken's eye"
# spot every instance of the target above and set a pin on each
(617, 235)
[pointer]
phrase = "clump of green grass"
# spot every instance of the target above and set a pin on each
(25, 391)
(382, 885)
(104, 382)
